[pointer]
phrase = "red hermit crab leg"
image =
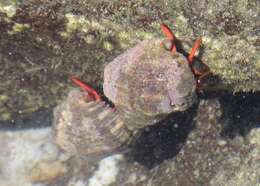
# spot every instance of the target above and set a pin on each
(168, 33)
(87, 88)
(200, 71)
(197, 72)
(92, 93)
(194, 49)
(192, 54)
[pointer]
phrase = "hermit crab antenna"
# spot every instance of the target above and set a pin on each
(194, 49)
(168, 33)
(87, 88)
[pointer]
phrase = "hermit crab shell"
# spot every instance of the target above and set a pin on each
(85, 127)
(147, 82)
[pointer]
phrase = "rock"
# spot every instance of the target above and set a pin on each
(29, 157)
(45, 171)
(245, 172)
(56, 41)
(202, 157)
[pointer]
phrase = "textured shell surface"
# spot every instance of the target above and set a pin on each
(145, 83)
(148, 82)
(86, 127)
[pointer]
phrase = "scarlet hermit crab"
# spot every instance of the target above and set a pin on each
(145, 83)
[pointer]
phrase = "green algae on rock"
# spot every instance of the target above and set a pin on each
(229, 43)
(9, 7)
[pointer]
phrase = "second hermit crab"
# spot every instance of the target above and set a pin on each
(145, 83)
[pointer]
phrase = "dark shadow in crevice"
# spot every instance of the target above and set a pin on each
(241, 113)
(163, 140)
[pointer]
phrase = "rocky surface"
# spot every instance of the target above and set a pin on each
(29, 157)
(44, 42)
(214, 143)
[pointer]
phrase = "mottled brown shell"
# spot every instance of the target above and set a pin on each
(88, 127)
(148, 82)
(145, 83)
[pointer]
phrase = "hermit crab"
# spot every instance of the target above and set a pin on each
(145, 83)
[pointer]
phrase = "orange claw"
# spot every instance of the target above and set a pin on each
(87, 88)
(168, 33)
(193, 50)
(200, 73)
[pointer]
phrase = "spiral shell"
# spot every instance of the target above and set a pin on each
(145, 83)
(88, 127)
(148, 82)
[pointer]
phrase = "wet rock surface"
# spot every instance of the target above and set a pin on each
(187, 149)
(28, 157)
(213, 143)
(44, 42)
